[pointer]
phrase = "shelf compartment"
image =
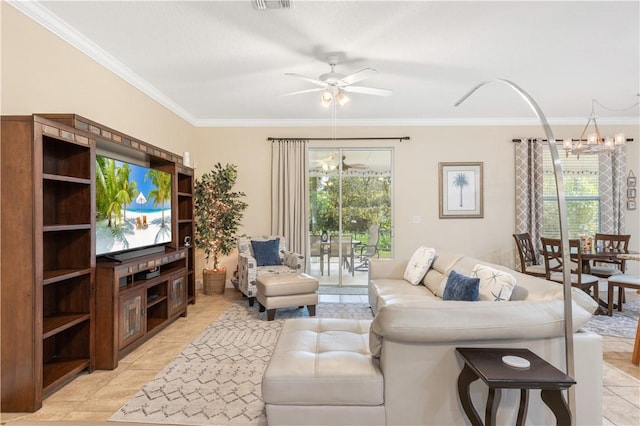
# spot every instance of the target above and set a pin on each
(65, 354)
(57, 324)
(157, 314)
(65, 159)
(65, 304)
(56, 275)
(185, 184)
(60, 371)
(60, 201)
(185, 207)
(68, 249)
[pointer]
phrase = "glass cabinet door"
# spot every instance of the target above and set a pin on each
(177, 293)
(131, 317)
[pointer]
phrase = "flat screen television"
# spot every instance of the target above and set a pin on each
(133, 207)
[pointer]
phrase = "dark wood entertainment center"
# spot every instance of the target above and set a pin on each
(63, 310)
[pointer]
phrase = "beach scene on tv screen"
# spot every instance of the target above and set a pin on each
(133, 206)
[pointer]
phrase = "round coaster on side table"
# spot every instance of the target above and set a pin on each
(516, 361)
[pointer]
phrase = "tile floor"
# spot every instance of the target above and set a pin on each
(95, 397)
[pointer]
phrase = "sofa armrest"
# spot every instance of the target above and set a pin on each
(437, 321)
(247, 274)
(387, 268)
(293, 260)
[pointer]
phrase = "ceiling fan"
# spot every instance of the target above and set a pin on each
(334, 85)
(331, 163)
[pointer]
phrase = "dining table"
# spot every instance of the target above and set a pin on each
(325, 248)
(604, 254)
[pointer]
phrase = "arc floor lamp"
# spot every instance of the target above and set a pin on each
(564, 232)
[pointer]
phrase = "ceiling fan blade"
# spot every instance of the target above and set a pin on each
(367, 90)
(357, 166)
(309, 79)
(319, 89)
(358, 76)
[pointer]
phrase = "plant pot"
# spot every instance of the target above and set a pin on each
(213, 282)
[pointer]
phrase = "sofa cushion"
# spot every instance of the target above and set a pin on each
(436, 278)
(461, 287)
(419, 264)
(495, 285)
(424, 320)
(266, 252)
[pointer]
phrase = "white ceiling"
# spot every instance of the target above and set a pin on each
(224, 63)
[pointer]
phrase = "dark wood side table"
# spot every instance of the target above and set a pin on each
(486, 364)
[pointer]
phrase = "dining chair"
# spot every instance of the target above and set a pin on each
(606, 268)
(529, 263)
(554, 266)
(346, 241)
(316, 250)
(369, 250)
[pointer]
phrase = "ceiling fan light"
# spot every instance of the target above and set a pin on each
(342, 98)
(326, 98)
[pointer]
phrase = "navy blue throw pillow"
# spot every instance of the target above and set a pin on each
(267, 252)
(460, 287)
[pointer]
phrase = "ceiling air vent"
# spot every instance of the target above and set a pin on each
(271, 4)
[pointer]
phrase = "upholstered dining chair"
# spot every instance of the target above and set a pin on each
(553, 262)
(606, 268)
(316, 250)
(529, 262)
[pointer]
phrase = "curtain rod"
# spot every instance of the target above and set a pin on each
(559, 140)
(400, 138)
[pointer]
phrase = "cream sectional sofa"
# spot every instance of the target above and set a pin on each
(407, 373)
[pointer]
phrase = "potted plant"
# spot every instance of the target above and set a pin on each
(218, 211)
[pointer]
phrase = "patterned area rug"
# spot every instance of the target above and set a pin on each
(216, 379)
(620, 324)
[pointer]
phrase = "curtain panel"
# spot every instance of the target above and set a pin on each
(290, 192)
(612, 186)
(528, 190)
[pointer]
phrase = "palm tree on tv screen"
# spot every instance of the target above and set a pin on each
(114, 190)
(162, 191)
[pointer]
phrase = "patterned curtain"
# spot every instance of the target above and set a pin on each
(290, 192)
(612, 175)
(529, 196)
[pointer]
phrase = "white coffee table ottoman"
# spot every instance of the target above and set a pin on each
(321, 372)
(285, 290)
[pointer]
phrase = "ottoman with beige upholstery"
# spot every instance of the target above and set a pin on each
(285, 290)
(322, 373)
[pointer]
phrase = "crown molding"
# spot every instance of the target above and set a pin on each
(417, 122)
(51, 22)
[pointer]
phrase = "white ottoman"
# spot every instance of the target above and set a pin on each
(322, 373)
(284, 290)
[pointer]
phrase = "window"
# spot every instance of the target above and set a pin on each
(581, 185)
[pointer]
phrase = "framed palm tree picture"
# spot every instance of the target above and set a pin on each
(460, 190)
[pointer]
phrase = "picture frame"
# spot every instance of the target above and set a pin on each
(631, 179)
(461, 190)
(631, 193)
(631, 204)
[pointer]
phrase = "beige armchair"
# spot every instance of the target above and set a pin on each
(250, 268)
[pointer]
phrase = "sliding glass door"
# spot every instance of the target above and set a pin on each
(350, 214)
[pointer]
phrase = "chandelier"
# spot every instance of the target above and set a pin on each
(594, 143)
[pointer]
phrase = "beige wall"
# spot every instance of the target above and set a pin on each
(41, 73)
(415, 179)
